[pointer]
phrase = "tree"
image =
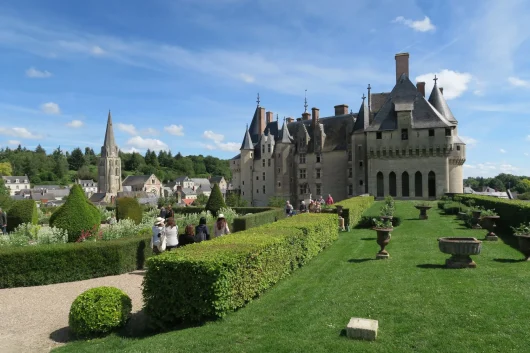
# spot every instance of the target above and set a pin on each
(76, 159)
(496, 184)
(40, 150)
(216, 201)
(201, 200)
(6, 169)
(134, 162)
(60, 164)
(84, 173)
(4, 191)
(523, 186)
(234, 200)
(276, 201)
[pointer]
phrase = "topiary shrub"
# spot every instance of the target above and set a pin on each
(22, 211)
(98, 311)
(216, 201)
(128, 207)
(76, 215)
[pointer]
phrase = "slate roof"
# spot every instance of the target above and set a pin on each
(457, 139)
(363, 119)
(48, 187)
(236, 157)
(136, 179)
(170, 184)
(12, 179)
(405, 96)
(284, 135)
(188, 191)
(37, 196)
(181, 179)
(247, 142)
(216, 179)
(90, 183)
(254, 126)
(97, 197)
(437, 100)
(138, 194)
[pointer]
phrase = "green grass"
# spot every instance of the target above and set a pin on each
(420, 309)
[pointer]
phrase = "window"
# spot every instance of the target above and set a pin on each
(279, 184)
(278, 170)
(302, 174)
(318, 173)
(302, 189)
(349, 156)
(263, 176)
(431, 132)
(264, 189)
(302, 158)
(262, 148)
(250, 154)
(447, 132)
(257, 191)
(379, 135)
(263, 162)
(319, 189)
(361, 182)
(269, 162)
(243, 193)
(350, 189)
(16, 181)
(350, 172)
(257, 177)
(269, 148)
(318, 157)
(404, 134)
(361, 164)
(458, 148)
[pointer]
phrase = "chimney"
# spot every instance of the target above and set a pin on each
(442, 90)
(261, 120)
(341, 109)
(270, 117)
(306, 116)
(298, 119)
(402, 65)
(289, 120)
(421, 88)
(316, 115)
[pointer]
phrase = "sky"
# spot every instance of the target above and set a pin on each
(184, 75)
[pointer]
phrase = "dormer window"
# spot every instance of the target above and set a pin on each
(447, 132)
(17, 181)
(302, 158)
(269, 148)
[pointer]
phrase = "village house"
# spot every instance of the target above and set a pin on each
(15, 184)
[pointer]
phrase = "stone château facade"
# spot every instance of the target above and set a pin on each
(399, 143)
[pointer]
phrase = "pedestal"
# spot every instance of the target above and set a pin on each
(460, 261)
(491, 237)
(382, 255)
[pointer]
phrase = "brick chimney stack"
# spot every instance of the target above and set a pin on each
(306, 116)
(261, 120)
(270, 117)
(289, 120)
(421, 88)
(341, 109)
(316, 115)
(402, 65)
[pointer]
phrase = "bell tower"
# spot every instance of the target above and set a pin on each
(109, 168)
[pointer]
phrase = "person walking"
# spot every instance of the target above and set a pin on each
(221, 227)
(201, 231)
(172, 231)
(3, 221)
(169, 212)
(162, 213)
(288, 209)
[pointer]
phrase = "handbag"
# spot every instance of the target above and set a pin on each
(163, 241)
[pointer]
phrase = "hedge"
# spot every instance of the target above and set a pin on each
(21, 211)
(58, 263)
(353, 208)
(128, 207)
(512, 212)
(188, 210)
(257, 219)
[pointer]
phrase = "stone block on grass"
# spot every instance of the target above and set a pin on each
(364, 329)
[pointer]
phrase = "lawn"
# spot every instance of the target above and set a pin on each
(421, 307)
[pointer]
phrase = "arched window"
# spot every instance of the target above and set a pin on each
(380, 185)
(405, 190)
(431, 179)
(418, 185)
(392, 184)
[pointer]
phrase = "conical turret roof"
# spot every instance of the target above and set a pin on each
(285, 136)
(247, 142)
(437, 100)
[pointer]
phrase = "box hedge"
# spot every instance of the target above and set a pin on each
(58, 263)
(353, 208)
(22, 211)
(128, 208)
(252, 220)
(215, 201)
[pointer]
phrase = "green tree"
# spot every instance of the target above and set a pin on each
(6, 169)
(276, 201)
(76, 159)
(201, 200)
(40, 150)
(234, 200)
(523, 186)
(134, 162)
(60, 164)
(216, 201)
(4, 191)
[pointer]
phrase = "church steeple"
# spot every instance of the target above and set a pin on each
(109, 168)
(109, 142)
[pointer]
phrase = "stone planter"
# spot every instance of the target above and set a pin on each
(462, 215)
(383, 238)
(460, 249)
(524, 245)
(423, 211)
(475, 219)
(489, 223)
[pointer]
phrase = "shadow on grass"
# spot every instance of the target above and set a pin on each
(509, 261)
(415, 219)
(368, 238)
(342, 333)
(358, 261)
(431, 266)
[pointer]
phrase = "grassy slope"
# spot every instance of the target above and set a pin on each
(420, 309)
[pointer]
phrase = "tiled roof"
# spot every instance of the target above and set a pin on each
(136, 180)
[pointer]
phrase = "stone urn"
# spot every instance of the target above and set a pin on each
(524, 245)
(423, 211)
(383, 238)
(489, 223)
(460, 249)
(462, 215)
(475, 219)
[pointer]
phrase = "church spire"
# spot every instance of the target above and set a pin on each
(109, 142)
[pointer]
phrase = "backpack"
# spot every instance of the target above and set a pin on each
(161, 242)
(201, 235)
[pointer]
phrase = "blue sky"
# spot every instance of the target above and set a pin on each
(183, 75)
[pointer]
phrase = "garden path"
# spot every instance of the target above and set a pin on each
(35, 319)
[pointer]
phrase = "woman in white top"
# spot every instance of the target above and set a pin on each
(172, 231)
(158, 230)
(221, 227)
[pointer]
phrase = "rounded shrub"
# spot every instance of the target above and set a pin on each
(22, 211)
(76, 215)
(128, 207)
(98, 311)
(216, 201)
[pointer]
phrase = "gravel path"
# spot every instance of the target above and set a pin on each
(35, 319)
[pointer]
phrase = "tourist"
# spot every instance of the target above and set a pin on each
(221, 227)
(172, 231)
(288, 209)
(162, 213)
(312, 207)
(112, 219)
(303, 207)
(3, 221)
(188, 237)
(329, 200)
(318, 207)
(157, 239)
(169, 212)
(321, 201)
(201, 231)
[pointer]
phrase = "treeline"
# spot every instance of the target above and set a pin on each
(60, 167)
(502, 182)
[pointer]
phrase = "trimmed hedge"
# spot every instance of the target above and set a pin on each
(188, 210)
(58, 263)
(222, 275)
(252, 220)
(247, 210)
(215, 201)
(21, 211)
(76, 215)
(353, 208)
(512, 212)
(128, 207)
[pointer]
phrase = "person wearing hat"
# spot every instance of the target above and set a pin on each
(158, 232)
(221, 227)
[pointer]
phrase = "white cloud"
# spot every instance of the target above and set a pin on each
(454, 83)
(150, 131)
(424, 25)
(128, 128)
(34, 73)
(130, 150)
(13, 142)
(247, 78)
(469, 141)
(527, 154)
(50, 108)
(218, 142)
(517, 82)
(141, 143)
(490, 169)
(177, 130)
(75, 123)
(20, 132)
(502, 150)
(96, 50)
